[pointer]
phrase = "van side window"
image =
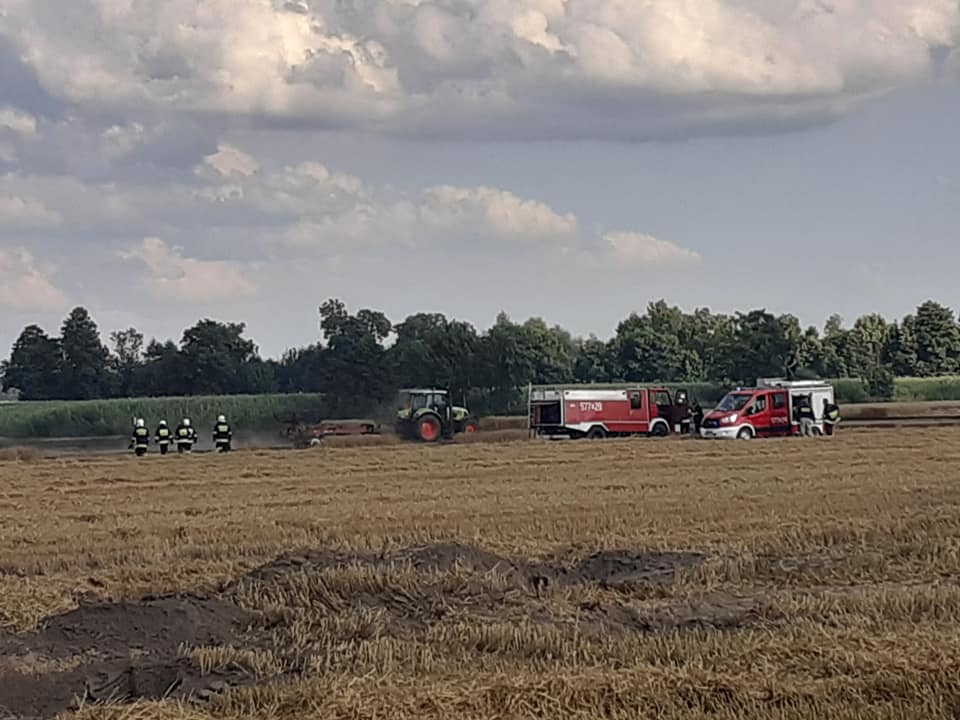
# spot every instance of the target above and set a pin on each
(779, 401)
(760, 404)
(636, 401)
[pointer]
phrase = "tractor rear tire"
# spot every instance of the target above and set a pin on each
(429, 428)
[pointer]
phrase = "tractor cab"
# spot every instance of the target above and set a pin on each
(426, 414)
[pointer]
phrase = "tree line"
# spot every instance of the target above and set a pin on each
(363, 356)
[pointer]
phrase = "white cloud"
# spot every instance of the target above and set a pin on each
(533, 68)
(24, 285)
(20, 122)
(495, 211)
(175, 278)
(25, 212)
(229, 161)
(118, 140)
(632, 249)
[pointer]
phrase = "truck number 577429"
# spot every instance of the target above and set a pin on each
(591, 407)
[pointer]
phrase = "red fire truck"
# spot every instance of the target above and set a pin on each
(586, 412)
(767, 410)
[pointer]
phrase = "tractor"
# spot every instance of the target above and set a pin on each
(428, 415)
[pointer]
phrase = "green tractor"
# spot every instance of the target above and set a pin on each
(428, 415)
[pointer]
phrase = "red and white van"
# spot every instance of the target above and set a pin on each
(767, 410)
(601, 412)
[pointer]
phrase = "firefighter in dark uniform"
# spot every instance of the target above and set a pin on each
(222, 435)
(697, 417)
(831, 416)
(163, 437)
(185, 437)
(140, 438)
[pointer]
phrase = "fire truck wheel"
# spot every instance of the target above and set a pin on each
(745, 434)
(596, 433)
(660, 430)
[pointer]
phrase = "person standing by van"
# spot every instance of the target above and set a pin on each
(808, 418)
(831, 416)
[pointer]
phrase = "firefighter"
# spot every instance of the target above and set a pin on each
(140, 438)
(831, 416)
(185, 437)
(697, 417)
(163, 437)
(222, 435)
(807, 417)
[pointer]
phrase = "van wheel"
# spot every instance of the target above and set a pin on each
(745, 434)
(596, 433)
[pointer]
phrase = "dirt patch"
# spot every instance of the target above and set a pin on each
(299, 614)
(116, 651)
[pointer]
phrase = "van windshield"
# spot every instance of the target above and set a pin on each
(733, 402)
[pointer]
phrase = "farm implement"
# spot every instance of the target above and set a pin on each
(305, 430)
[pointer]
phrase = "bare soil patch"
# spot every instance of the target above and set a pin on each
(140, 650)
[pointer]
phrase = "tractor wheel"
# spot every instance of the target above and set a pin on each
(429, 428)
(471, 426)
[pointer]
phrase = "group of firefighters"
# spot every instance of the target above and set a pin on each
(184, 436)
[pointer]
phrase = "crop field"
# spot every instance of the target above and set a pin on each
(787, 579)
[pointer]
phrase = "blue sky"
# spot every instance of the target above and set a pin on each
(247, 160)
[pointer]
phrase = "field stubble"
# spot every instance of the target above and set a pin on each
(671, 579)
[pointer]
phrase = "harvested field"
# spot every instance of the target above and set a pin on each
(672, 579)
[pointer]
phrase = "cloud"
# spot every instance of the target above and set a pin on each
(17, 121)
(632, 249)
(18, 212)
(234, 205)
(487, 68)
(175, 278)
(24, 285)
(495, 211)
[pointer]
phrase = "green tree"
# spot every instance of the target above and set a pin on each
(355, 359)
(594, 361)
(766, 346)
(35, 366)
(937, 339)
(85, 358)
(432, 350)
(127, 359)
(215, 358)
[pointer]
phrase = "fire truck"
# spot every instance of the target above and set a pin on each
(586, 412)
(767, 410)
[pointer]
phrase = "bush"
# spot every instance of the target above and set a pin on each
(880, 384)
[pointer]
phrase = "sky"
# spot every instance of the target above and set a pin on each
(245, 160)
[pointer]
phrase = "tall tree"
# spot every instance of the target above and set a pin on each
(85, 358)
(216, 358)
(430, 349)
(355, 358)
(127, 359)
(35, 366)
(937, 339)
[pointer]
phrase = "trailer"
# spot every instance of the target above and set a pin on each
(770, 409)
(590, 412)
(305, 430)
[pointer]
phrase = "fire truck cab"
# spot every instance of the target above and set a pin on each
(767, 410)
(598, 413)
